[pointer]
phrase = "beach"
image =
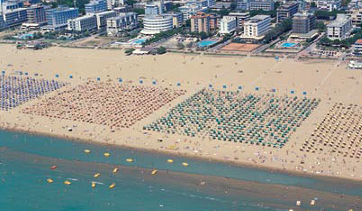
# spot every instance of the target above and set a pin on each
(329, 82)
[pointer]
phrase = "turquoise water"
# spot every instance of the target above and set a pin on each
(288, 44)
(139, 41)
(204, 43)
(25, 162)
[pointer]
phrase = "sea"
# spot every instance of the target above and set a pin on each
(26, 162)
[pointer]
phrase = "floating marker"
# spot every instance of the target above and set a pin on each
(185, 164)
(106, 154)
(115, 170)
(154, 172)
(112, 186)
(129, 160)
(97, 175)
(170, 161)
(87, 151)
(49, 180)
(93, 184)
(66, 182)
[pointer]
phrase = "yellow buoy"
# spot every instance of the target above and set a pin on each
(129, 160)
(66, 182)
(93, 184)
(87, 151)
(350, 210)
(97, 175)
(49, 180)
(115, 170)
(154, 172)
(106, 154)
(185, 164)
(112, 186)
(170, 160)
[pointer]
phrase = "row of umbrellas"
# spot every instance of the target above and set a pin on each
(340, 132)
(265, 120)
(16, 90)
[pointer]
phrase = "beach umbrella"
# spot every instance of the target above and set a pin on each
(257, 88)
(304, 93)
(98, 79)
(224, 86)
(120, 80)
(70, 76)
(178, 84)
(141, 81)
(154, 82)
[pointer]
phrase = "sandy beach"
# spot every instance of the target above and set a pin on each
(320, 144)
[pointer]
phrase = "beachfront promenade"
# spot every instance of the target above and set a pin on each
(256, 111)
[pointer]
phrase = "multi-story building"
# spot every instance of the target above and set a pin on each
(340, 28)
(200, 22)
(139, 5)
(125, 21)
(266, 5)
(257, 27)
(356, 15)
(15, 17)
(177, 19)
(191, 9)
(287, 10)
(329, 5)
(95, 6)
(122, 9)
(227, 24)
(303, 23)
(57, 18)
(102, 19)
(84, 23)
(152, 9)
(241, 17)
(36, 15)
(154, 24)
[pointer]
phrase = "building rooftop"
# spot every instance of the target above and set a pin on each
(258, 18)
(340, 21)
(359, 41)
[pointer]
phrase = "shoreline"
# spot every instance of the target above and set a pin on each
(185, 155)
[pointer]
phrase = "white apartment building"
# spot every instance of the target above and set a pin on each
(102, 18)
(125, 21)
(257, 27)
(228, 24)
(85, 23)
(329, 5)
(356, 15)
(339, 29)
(155, 24)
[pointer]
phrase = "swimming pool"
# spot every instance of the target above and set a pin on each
(288, 44)
(139, 41)
(204, 43)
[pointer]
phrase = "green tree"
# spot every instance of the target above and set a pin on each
(161, 50)
(321, 26)
(180, 46)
